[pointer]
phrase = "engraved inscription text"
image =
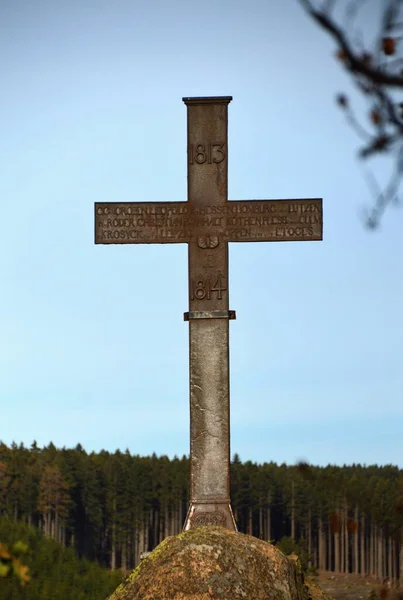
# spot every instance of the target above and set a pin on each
(210, 153)
(209, 224)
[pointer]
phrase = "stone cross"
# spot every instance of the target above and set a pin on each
(207, 222)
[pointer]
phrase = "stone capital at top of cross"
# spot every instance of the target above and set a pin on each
(206, 100)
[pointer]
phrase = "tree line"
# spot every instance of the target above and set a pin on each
(111, 507)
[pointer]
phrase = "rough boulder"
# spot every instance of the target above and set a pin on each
(212, 563)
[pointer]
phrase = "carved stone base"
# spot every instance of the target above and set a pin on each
(210, 513)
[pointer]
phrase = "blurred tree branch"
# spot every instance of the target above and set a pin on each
(377, 70)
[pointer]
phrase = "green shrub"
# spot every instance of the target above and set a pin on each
(56, 572)
(288, 546)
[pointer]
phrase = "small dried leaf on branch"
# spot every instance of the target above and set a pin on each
(376, 117)
(342, 54)
(366, 59)
(389, 45)
(342, 100)
(380, 144)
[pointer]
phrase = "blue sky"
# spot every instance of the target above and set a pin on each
(93, 345)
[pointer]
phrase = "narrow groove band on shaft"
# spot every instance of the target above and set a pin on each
(209, 314)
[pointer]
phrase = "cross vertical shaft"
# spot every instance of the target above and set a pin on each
(208, 317)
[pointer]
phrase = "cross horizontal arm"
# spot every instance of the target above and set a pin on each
(273, 220)
(142, 223)
(233, 221)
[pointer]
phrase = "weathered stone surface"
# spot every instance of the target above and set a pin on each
(213, 563)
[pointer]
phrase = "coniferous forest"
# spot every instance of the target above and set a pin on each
(110, 508)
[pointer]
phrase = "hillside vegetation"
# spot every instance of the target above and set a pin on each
(56, 573)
